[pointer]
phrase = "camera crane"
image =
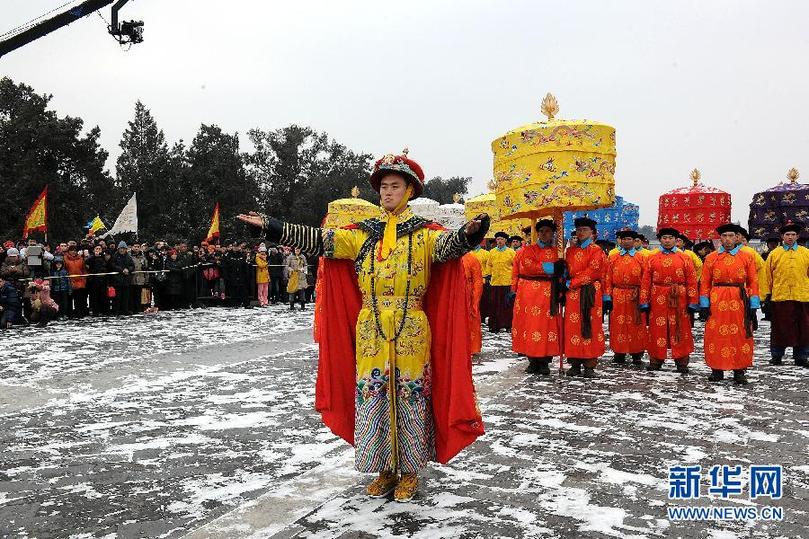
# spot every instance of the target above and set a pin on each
(125, 32)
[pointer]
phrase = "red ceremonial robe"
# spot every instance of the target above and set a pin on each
(456, 416)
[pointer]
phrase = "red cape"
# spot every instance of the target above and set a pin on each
(455, 412)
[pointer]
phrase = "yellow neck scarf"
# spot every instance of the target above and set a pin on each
(389, 238)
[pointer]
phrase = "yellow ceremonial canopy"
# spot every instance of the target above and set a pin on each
(346, 211)
(567, 164)
(546, 168)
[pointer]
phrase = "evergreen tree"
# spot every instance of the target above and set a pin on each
(216, 173)
(37, 147)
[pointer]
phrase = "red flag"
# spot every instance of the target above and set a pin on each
(37, 218)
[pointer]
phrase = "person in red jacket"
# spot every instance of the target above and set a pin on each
(729, 297)
(537, 316)
(626, 270)
(584, 333)
(668, 292)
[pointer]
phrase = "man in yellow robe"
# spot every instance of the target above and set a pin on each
(394, 432)
(501, 260)
(786, 293)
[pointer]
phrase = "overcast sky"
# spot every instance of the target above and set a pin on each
(717, 85)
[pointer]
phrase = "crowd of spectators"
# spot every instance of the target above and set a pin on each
(96, 277)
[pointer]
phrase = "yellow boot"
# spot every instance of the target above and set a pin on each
(406, 488)
(382, 485)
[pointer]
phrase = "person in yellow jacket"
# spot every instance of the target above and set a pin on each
(686, 246)
(786, 293)
(742, 237)
(501, 260)
(636, 242)
(262, 276)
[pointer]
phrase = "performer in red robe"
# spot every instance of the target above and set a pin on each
(474, 290)
(584, 333)
(729, 296)
(626, 270)
(668, 292)
(535, 281)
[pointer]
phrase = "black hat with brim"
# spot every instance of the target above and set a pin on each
(501, 235)
(584, 221)
(668, 231)
(546, 222)
(728, 227)
(621, 234)
(790, 227)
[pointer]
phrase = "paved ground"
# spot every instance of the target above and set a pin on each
(200, 424)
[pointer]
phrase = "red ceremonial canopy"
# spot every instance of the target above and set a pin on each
(695, 211)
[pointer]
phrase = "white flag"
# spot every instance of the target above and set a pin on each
(128, 220)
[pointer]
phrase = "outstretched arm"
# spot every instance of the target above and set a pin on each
(454, 244)
(331, 243)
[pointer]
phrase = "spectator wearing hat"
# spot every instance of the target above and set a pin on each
(501, 263)
(60, 286)
(626, 271)
(729, 295)
(786, 289)
(14, 268)
(262, 276)
(536, 282)
(583, 328)
(668, 293)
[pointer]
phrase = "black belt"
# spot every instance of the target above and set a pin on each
(536, 277)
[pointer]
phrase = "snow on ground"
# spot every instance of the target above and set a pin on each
(214, 412)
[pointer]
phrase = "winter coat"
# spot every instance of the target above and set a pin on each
(97, 264)
(120, 262)
(174, 281)
(141, 264)
(60, 281)
(15, 271)
(10, 298)
(75, 265)
(262, 275)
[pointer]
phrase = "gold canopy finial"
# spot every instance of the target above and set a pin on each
(457, 198)
(695, 176)
(793, 175)
(355, 192)
(550, 107)
(405, 151)
(492, 185)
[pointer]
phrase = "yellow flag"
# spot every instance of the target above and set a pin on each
(96, 225)
(213, 232)
(37, 218)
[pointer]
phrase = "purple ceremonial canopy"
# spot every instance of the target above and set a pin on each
(770, 209)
